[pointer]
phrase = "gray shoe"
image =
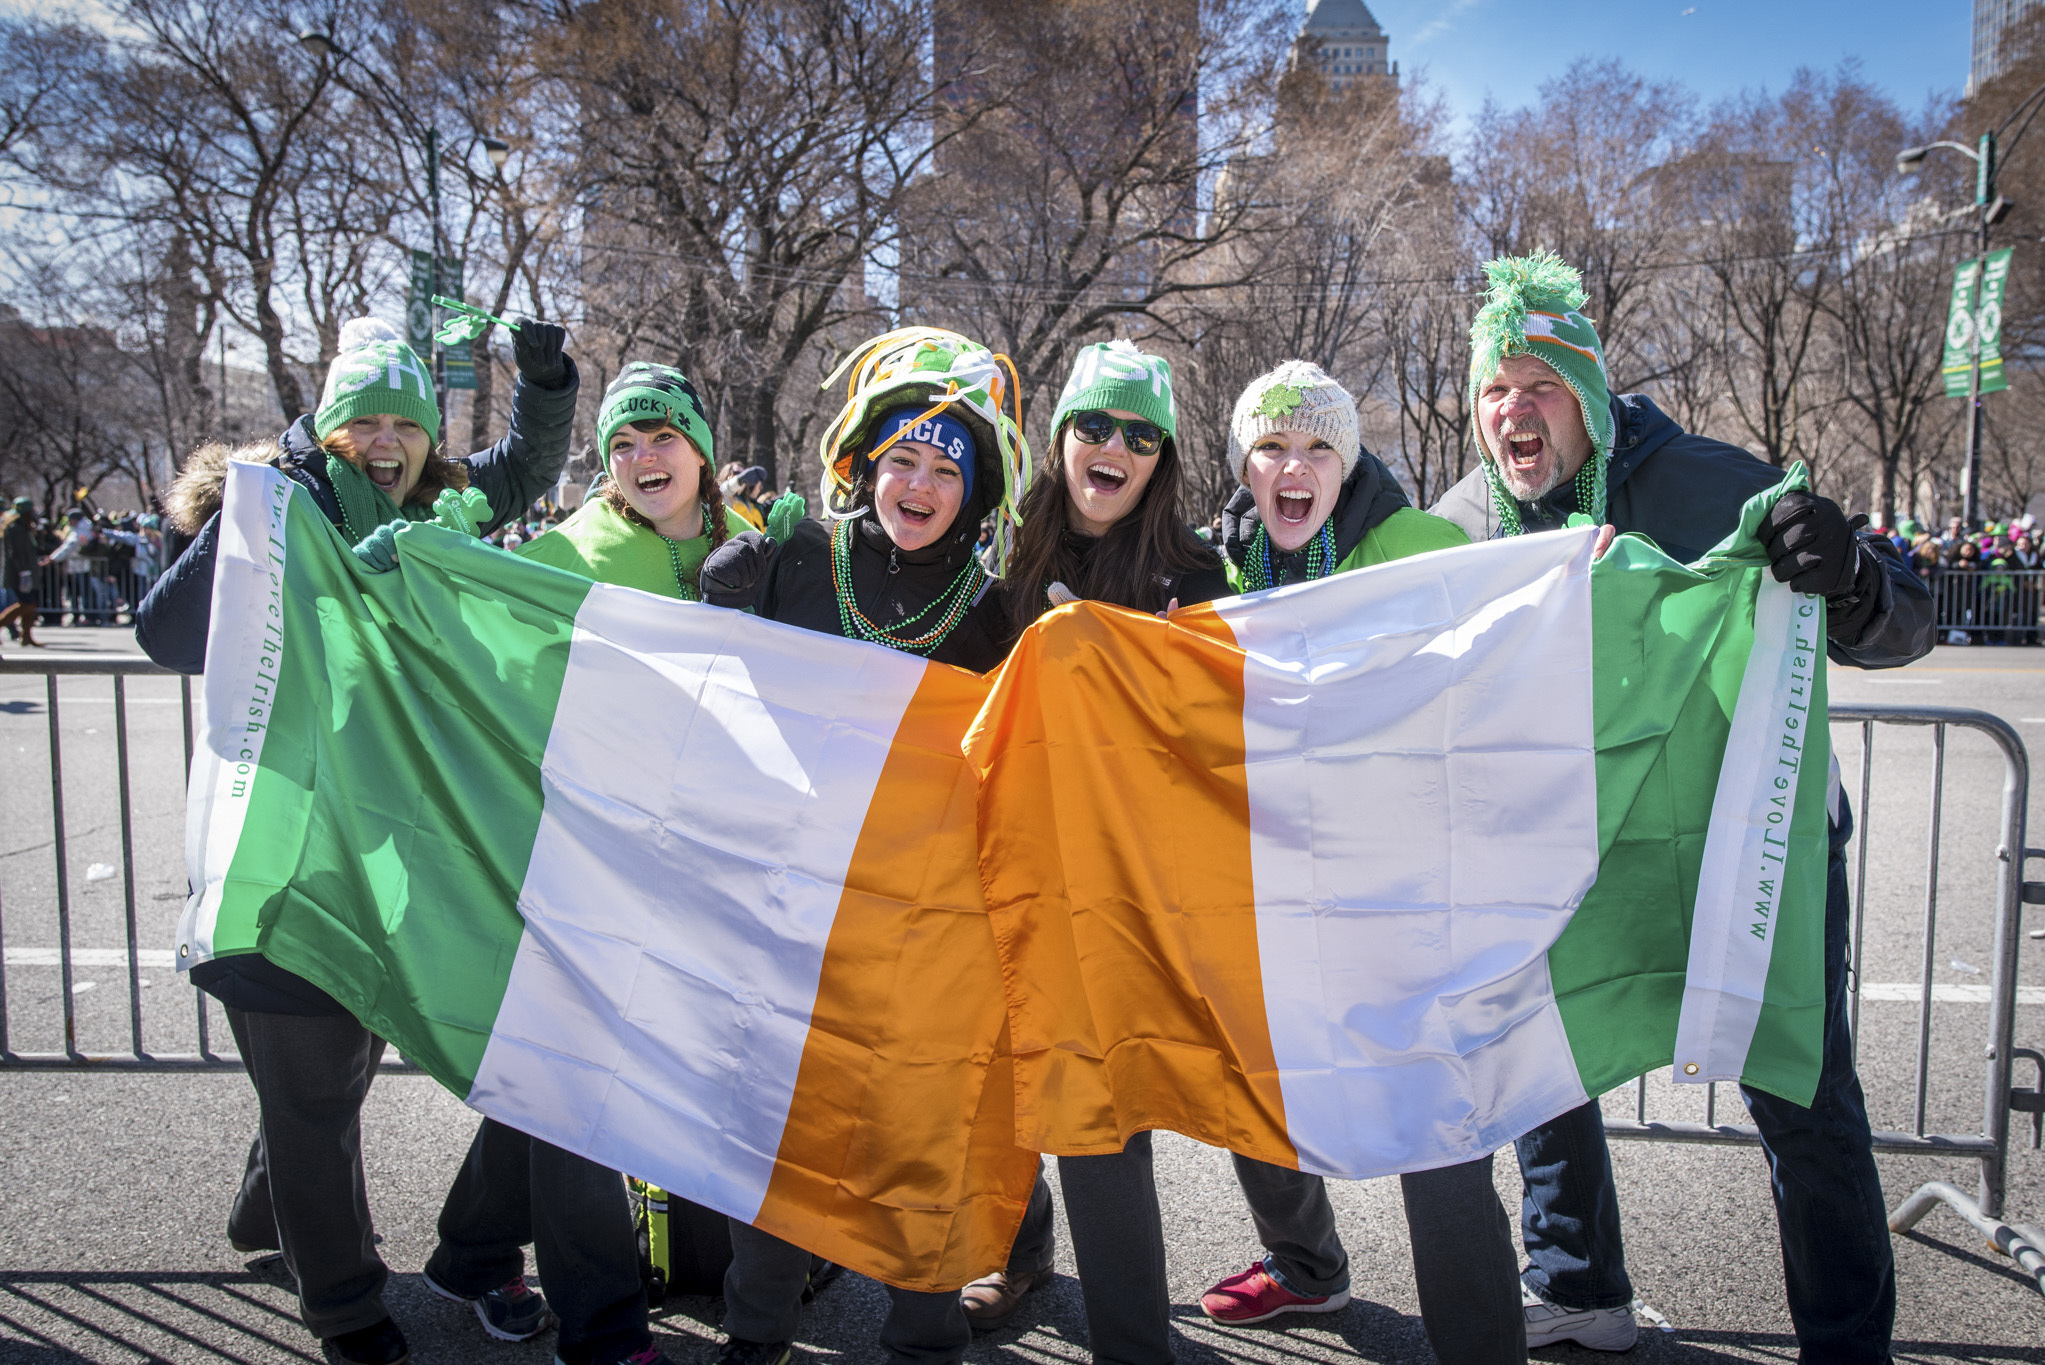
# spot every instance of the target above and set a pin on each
(1594, 1329)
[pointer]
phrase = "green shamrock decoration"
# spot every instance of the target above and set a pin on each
(463, 512)
(1281, 400)
(788, 509)
(468, 322)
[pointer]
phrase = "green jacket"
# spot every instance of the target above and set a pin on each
(1372, 520)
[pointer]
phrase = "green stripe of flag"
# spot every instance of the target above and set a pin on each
(390, 822)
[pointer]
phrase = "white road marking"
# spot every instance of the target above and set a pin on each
(91, 957)
(1945, 993)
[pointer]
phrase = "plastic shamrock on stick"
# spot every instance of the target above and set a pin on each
(464, 512)
(468, 322)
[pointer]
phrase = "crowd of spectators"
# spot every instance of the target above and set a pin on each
(87, 567)
(1985, 582)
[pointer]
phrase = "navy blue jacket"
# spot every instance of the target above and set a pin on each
(172, 622)
(1684, 492)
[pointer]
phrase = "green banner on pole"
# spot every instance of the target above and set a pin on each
(423, 319)
(1974, 323)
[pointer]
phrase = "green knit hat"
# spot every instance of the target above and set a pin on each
(643, 390)
(1114, 374)
(375, 373)
(1531, 308)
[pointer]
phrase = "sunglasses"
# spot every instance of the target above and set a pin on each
(1095, 427)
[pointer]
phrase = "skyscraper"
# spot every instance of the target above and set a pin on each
(2001, 35)
(1343, 39)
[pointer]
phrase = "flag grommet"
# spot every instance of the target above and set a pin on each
(1689, 1068)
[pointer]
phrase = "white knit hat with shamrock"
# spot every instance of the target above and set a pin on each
(1297, 396)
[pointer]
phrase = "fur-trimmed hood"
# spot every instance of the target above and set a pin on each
(196, 493)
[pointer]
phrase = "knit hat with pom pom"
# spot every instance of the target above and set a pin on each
(1532, 307)
(1297, 396)
(376, 372)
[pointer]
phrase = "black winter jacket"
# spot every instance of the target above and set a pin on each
(172, 622)
(1685, 492)
(889, 584)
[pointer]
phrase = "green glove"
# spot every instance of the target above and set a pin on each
(378, 551)
(463, 511)
(788, 509)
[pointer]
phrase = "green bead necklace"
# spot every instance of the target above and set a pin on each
(854, 624)
(687, 590)
(1258, 573)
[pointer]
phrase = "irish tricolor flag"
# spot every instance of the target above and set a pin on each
(1364, 876)
(1374, 874)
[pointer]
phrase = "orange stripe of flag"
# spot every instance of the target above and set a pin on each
(900, 1141)
(1143, 1004)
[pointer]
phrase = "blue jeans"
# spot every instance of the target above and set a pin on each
(1836, 1259)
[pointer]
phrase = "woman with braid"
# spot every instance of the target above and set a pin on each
(658, 513)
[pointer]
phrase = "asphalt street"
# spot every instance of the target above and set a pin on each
(114, 1187)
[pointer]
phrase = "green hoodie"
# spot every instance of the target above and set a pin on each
(598, 543)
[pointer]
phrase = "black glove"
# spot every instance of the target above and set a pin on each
(1811, 545)
(733, 573)
(536, 347)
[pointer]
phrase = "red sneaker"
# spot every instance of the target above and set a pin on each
(1254, 1296)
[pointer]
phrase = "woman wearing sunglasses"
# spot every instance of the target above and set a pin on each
(1101, 522)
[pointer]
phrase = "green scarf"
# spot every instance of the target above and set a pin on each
(598, 543)
(364, 506)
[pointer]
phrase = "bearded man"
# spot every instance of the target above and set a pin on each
(1555, 443)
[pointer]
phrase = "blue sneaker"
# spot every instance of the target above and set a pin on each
(513, 1311)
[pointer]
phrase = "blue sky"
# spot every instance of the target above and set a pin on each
(1716, 47)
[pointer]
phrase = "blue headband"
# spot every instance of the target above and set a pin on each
(944, 433)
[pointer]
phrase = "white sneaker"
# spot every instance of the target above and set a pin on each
(1596, 1329)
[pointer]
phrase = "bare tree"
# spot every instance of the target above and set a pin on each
(1574, 173)
(745, 157)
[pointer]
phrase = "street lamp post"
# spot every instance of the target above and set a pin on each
(1990, 208)
(323, 46)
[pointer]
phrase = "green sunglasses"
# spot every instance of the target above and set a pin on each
(1095, 427)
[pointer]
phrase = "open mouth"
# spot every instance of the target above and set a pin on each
(1295, 505)
(1105, 478)
(1523, 449)
(386, 473)
(915, 513)
(653, 483)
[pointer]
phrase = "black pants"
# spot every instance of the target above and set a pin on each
(1837, 1264)
(513, 1189)
(1464, 1264)
(302, 1190)
(763, 1302)
(1118, 1241)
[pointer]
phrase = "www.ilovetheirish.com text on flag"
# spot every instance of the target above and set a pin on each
(1355, 876)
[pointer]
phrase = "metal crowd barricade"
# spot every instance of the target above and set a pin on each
(1989, 605)
(138, 1058)
(1984, 1208)
(1989, 1146)
(133, 956)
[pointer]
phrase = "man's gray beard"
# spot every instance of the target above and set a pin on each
(1538, 492)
